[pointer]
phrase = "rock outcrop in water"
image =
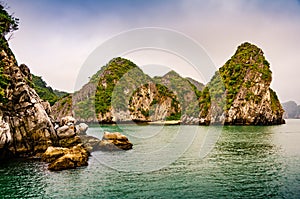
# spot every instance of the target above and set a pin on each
(68, 152)
(109, 142)
(26, 127)
(240, 93)
(66, 158)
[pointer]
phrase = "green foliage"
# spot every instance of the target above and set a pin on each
(8, 24)
(186, 89)
(247, 63)
(275, 104)
(84, 109)
(107, 93)
(154, 101)
(146, 113)
(46, 92)
(3, 83)
(174, 116)
(205, 102)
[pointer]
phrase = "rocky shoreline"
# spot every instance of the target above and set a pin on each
(75, 146)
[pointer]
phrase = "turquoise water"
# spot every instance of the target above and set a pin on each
(171, 162)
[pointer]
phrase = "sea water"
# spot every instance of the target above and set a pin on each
(172, 162)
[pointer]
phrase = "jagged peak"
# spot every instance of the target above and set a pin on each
(249, 54)
(247, 57)
(120, 61)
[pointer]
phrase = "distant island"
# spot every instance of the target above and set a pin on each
(291, 110)
(238, 94)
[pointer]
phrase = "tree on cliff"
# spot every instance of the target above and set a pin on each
(8, 23)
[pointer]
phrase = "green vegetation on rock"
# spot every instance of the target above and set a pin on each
(186, 89)
(8, 24)
(110, 91)
(235, 93)
(241, 86)
(46, 92)
(245, 65)
(247, 58)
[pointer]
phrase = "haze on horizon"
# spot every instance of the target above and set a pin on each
(56, 37)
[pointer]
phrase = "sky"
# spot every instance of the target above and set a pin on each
(55, 38)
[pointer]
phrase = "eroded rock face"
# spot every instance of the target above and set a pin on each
(26, 128)
(153, 102)
(240, 92)
(30, 128)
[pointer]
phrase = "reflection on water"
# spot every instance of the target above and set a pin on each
(21, 178)
(247, 162)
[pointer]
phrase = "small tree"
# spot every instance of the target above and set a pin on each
(8, 23)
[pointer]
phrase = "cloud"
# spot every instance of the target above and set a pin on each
(56, 37)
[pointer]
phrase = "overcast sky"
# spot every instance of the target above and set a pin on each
(55, 37)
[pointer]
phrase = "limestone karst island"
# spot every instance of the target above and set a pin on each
(49, 125)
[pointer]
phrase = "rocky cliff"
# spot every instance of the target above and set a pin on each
(187, 90)
(120, 92)
(26, 129)
(240, 93)
(154, 102)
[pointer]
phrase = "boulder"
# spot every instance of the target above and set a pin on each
(69, 142)
(81, 129)
(109, 142)
(66, 131)
(119, 141)
(67, 120)
(66, 158)
(90, 143)
(53, 153)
